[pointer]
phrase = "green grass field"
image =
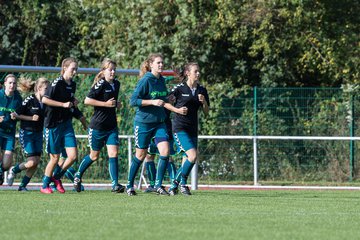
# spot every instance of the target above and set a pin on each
(206, 215)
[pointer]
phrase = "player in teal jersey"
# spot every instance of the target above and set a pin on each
(31, 114)
(10, 100)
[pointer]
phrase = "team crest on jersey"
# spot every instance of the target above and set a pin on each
(26, 100)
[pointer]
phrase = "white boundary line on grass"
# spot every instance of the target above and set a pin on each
(217, 187)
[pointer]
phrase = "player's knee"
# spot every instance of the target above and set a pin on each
(31, 164)
(140, 155)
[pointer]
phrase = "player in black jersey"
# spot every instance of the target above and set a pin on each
(70, 173)
(59, 132)
(31, 114)
(103, 128)
(193, 96)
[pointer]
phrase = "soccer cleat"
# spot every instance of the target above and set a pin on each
(118, 189)
(77, 184)
(58, 185)
(1, 177)
(53, 187)
(162, 191)
(47, 190)
(11, 177)
(173, 191)
(22, 189)
(131, 192)
(150, 189)
(185, 190)
(82, 188)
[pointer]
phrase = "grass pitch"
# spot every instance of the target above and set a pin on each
(206, 215)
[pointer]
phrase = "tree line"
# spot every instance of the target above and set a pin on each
(268, 43)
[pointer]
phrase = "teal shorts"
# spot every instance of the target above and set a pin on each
(31, 142)
(7, 143)
(145, 132)
(184, 141)
(99, 138)
(59, 137)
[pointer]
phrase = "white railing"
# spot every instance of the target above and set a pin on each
(255, 139)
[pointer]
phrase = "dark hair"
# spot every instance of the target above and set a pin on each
(184, 70)
(145, 66)
(104, 65)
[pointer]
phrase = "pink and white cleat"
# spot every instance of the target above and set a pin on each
(47, 190)
(58, 185)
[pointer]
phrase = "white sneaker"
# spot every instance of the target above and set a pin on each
(10, 176)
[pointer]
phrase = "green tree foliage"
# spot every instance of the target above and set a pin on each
(262, 43)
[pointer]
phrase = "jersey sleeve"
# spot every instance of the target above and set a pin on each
(96, 90)
(138, 94)
(21, 110)
(51, 90)
(77, 113)
(206, 95)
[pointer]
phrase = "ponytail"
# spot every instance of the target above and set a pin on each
(181, 72)
(26, 84)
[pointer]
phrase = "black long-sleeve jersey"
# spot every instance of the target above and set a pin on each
(184, 97)
(104, 118)
(30, 107)
(59, 91)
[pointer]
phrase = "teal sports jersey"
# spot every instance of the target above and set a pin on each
(8, 104)
(149, 87)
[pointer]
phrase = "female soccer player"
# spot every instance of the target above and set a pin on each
(149, 97)
(59, 132)
(103, 128)
(152, 151)
(193, 96)
(31, 114)
(10, 100)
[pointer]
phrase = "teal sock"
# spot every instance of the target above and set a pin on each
(16, 169)
(59, 175)
(46, 181)
(57, 170)
(70, 173)
(186, 169)
(114, 170)
(163, 161)
(151, 172)
(85, 163)
(177, 177)
(25, 181)
(172, 171)
(134, 168)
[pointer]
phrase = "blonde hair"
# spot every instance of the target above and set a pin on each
(10, 76)
(27, 85)
(145, 66)
(66, 62)
(106, 63)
